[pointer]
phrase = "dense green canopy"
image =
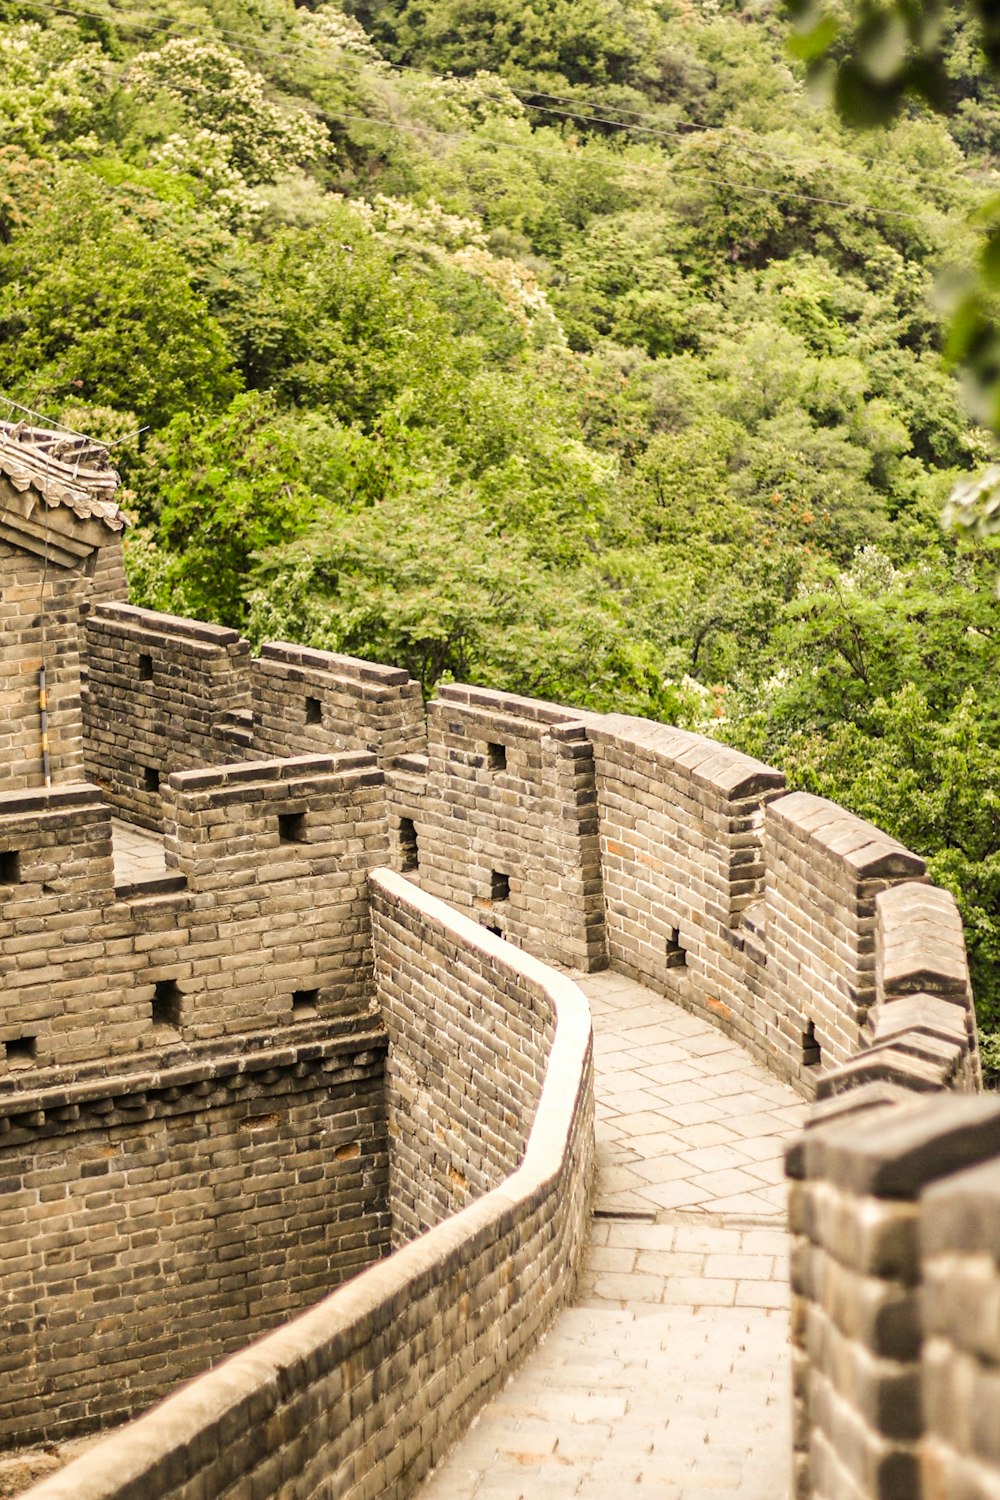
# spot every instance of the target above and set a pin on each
(561, 345)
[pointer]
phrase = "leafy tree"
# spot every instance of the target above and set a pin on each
(140, 338)
(219, 491)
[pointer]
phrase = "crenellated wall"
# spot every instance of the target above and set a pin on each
(163, 694)
(366, 1391)
(267, 914)
(215, 994)
(895, 1291)
(308, 702)
(586, 839)
(193, 1137)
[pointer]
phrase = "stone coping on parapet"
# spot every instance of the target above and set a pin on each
(830, 829)
(511, 704)
(331, 662)
(176, 627)
(344, 1358)
(707, 762)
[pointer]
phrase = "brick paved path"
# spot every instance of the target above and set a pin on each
(668, 1378)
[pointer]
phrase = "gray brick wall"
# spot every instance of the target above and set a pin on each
(893, 1271)
(271, 920)
(308, 702)
(363, 1393)
(43, 610)
(152, 1223)
(163, 694)
(506, 821)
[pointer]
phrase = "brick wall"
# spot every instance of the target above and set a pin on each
(893, 1389)
(469, 1037)
(308, 702)
(825, 869)
(275, 856)
(42, 611)
(507, 824)
(153, 1222)
(682, 866)
(366, 1391)
(163, 694)
(270, 925)
(960, 1299)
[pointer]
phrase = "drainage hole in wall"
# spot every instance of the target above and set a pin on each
(10, 867)
(496, 756)
(21, 1051)
(166, 1008)
(314, 711)
(495, 930)
(409, 853)
(499, 885)
(151, 778)
(305, 1003)
(145, 667)
(811, 1051)
(292, 828)
(676, 955)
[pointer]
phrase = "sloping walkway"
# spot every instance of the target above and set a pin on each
(669, 1377)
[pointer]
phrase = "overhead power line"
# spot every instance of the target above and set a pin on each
(585, 108)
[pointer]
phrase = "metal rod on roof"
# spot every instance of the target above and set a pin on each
(43, 714)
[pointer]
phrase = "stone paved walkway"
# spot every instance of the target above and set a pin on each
(138, 855)
(669, 1377)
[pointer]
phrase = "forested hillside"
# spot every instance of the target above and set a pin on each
(562, 345)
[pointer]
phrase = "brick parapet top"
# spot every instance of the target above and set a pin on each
(849, 840)
(72, 797)
(534, 710)
(206, 1063)
(707, 763)
(166, 626)
(912, 1146)
(356, 766)
(285, 653)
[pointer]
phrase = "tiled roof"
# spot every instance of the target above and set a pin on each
(65, 469)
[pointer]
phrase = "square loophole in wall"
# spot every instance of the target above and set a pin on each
(499, 885)
(10, 866)
(676, 954)
(496, 756)
(314, 711)
(167, 1001)
(145, 667)
(151, 778)
(292, 827)
(811, 1052)
(305, 1004)
(409, 852)
(21, 1051)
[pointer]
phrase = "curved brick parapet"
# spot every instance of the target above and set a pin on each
(363, 1393)
(582, 839)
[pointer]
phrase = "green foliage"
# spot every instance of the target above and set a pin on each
(140, 338)
(581, 356)
(218, 492)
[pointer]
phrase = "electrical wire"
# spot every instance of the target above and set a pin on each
(599, 111)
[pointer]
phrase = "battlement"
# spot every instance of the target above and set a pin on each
(267, 1054)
